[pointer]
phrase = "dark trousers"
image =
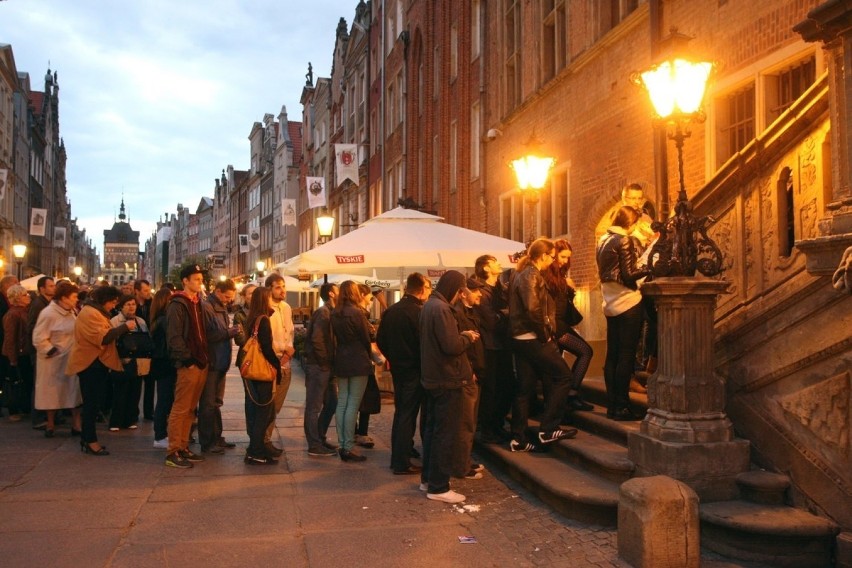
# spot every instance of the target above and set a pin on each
(320, 403)
(497, 390)
(126, 390)
(93, 384)
(209, 409)
(363, 423)
(260, 412)
(622, 338)
(535, 360)
(21, 386)
(443, 413)
(573, 343)
(408, 398)
(149, 387)
(165, 377)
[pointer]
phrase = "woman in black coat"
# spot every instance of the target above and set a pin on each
(352, 364)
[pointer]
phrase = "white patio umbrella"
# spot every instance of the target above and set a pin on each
(400, 241)
(31, 283)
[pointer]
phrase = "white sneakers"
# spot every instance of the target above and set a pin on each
(162, 444)
(447, 497)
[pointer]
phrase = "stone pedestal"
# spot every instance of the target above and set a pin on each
(686, 434)
(658, 524)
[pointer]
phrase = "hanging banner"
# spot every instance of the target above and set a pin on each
(72, 262)
(38, 220)
(244, 243)
(316, 192)
(4, 176)
(254, 238)
(288, 212)
(59, 237)
(346, 162)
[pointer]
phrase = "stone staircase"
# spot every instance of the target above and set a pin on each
(580, 479)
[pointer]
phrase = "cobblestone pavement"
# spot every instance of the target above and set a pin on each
(59, 507)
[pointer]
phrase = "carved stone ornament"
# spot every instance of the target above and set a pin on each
(823, 409)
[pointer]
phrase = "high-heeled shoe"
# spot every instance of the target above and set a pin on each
(87, 449)
(49, 433)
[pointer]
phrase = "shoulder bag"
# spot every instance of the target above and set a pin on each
(135, 345)
(255, 367)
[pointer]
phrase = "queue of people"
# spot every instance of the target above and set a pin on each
(466, 358)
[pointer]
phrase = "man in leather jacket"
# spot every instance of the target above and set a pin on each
(531, 316)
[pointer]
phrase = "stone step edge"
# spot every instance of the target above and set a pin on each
(762, 519)
(569, 489)
(596, 422)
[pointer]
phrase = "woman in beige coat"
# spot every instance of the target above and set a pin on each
(53, 337)
(92, 357)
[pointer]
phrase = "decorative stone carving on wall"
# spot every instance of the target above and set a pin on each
(808, 218)
(768, 233)
(824, 410)
(807, 165)
(723, 233)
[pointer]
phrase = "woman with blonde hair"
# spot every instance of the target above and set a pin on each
(53, 338)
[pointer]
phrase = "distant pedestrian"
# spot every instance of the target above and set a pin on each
(187, 341)
(142, 291)
(445, 371)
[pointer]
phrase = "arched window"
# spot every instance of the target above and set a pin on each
(786, 214)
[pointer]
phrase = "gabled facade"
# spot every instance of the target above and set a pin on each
(121, 251)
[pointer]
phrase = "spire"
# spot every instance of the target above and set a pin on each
(121, 214)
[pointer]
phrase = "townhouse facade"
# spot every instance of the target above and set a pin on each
(32, 170)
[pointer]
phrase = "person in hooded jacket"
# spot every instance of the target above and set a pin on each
(444, 371)
(186, 337)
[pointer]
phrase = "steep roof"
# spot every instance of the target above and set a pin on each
(295, 130)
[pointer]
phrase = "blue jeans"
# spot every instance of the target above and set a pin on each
(320, 395)
(350, 391)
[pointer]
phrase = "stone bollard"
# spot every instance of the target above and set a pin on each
(658, 523)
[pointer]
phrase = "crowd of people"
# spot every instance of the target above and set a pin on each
(467, 357)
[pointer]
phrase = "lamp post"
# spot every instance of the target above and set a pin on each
(325, 227)
(531, 171)
(20, 251)
(78, 270)
(261, 266)
(676, 88)
(686, 433)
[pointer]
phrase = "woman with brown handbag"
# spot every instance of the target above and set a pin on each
(260, 411)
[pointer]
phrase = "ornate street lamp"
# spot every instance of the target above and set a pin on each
(531, 171)
(20, 251)
(261, 266)
(325, 227)
(78, 270)
(676, 88)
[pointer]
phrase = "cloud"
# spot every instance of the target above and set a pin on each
(157, 97)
